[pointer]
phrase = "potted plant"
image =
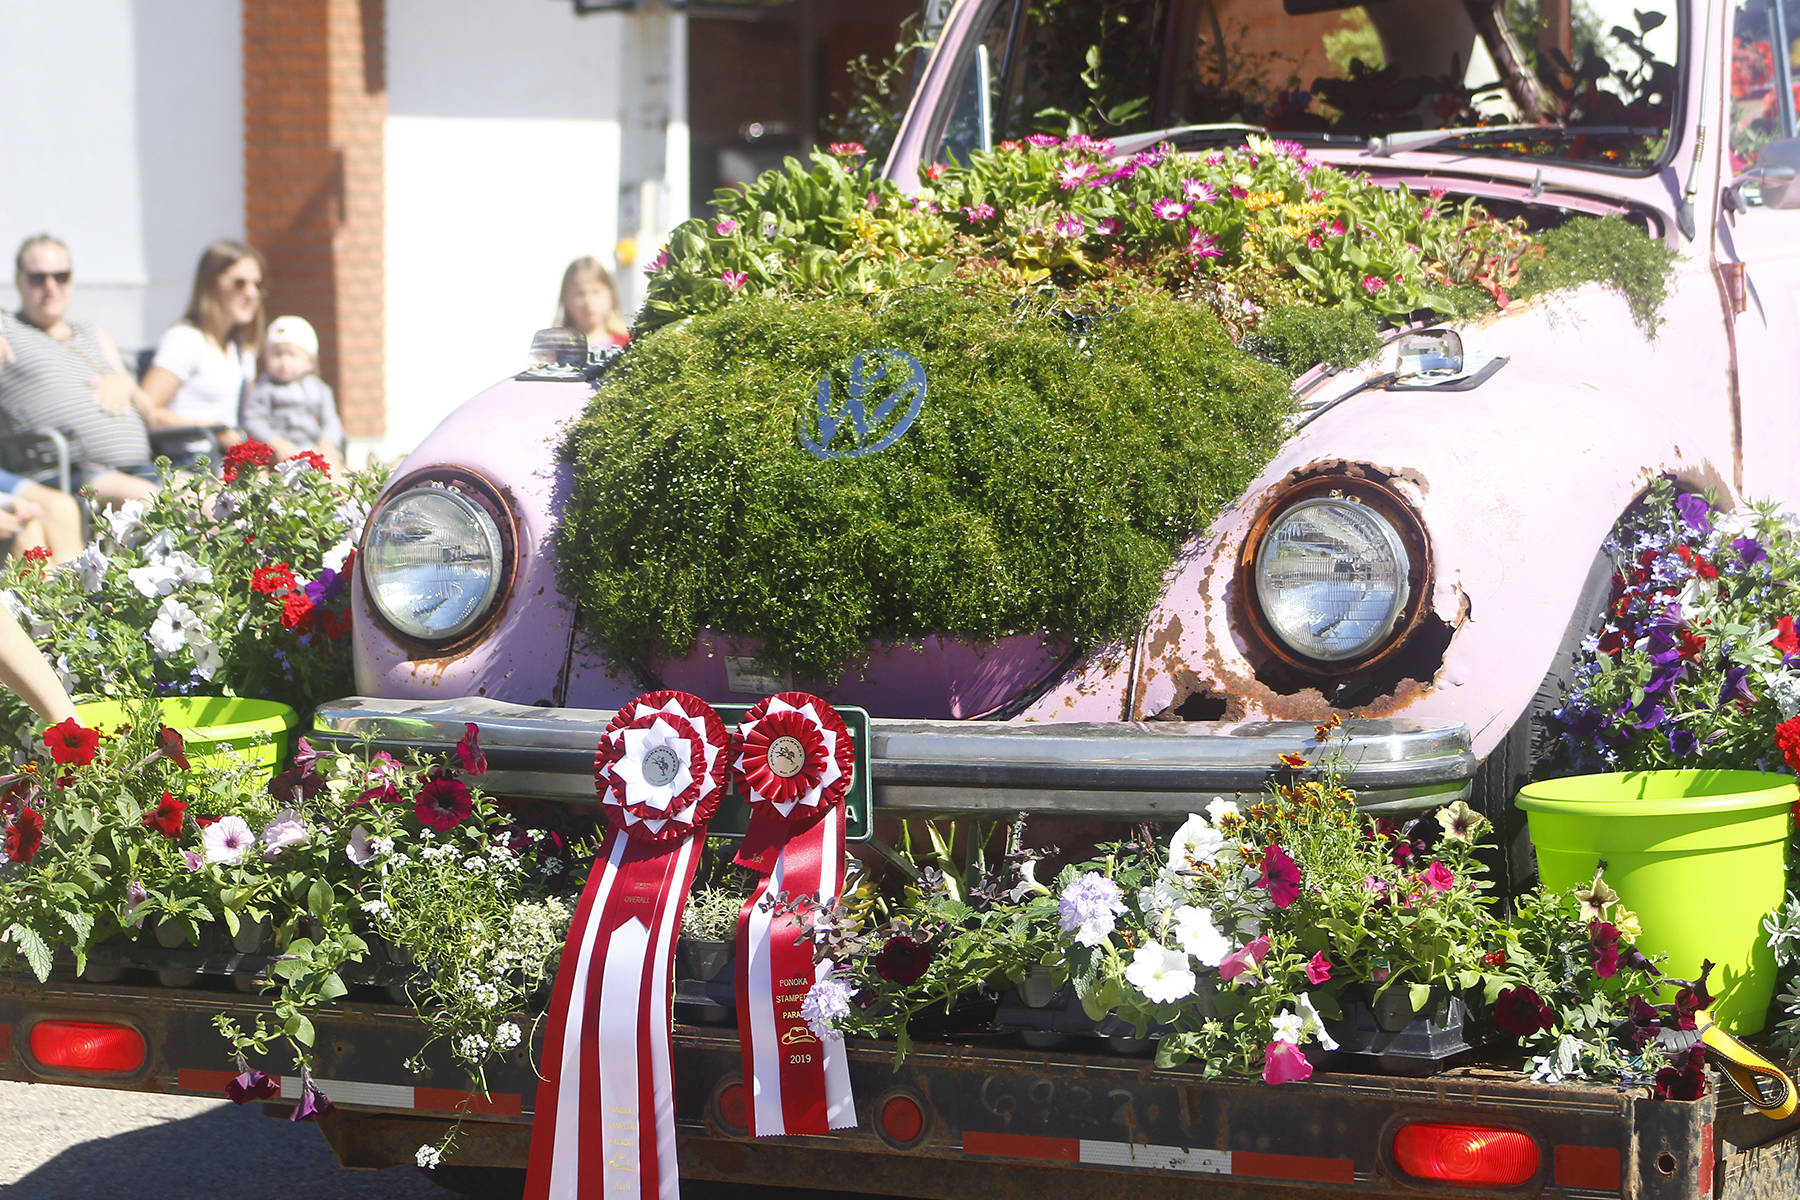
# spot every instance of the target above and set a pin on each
(706, 951)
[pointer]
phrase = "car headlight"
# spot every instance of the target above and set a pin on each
(433, 562)
(1334, 576)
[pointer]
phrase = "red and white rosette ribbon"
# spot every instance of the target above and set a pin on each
(605, 1120)
(793, 763)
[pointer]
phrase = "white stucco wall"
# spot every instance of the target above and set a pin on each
(122, 132)
(504, 161)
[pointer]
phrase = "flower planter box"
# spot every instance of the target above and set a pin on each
(164, 949)
(1045, 1016)
(1388, 1037)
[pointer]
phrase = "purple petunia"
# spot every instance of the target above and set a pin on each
(1694, 509)
(1088, 907)
(1735, 687)
(1750, 551)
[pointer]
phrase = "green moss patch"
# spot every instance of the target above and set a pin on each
(1062, 452)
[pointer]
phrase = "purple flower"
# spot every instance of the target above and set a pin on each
(1750, 551)
(1694, 509)
(1293, 150)
(1734, 687)
(978, 212)
(313, 1103)
(826, 1001)
(193, 860)
(1088, 908)
(251, 1084)
(327, 585)
(1682, 742)
(1650, 714)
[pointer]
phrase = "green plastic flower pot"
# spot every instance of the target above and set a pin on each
(1700, 856)
(215, 729)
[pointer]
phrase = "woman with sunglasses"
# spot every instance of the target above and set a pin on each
(205, 362)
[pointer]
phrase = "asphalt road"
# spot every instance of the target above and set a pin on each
(69, 1143)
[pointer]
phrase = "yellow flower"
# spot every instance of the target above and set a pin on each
(1257, 201)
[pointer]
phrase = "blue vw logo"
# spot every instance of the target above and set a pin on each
(857, 425)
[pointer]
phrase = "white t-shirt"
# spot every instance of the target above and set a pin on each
(212, 379)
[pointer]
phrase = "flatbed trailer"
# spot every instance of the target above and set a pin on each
(982, 1119)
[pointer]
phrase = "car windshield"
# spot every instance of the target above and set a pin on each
(1589, 81)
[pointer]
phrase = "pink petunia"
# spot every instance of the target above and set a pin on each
(1280, 876)
(1239, 961)
(1284, 1063)
(1318, 970)
(1438, 877)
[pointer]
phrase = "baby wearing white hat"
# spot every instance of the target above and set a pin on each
(289, 406)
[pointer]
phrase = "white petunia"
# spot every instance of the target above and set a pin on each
(92, 566)
(207, 659)
(174, 627)
(288, 828)
(1027, 882)
(1310, 1023)
(334, 557)
(1287, 1027)
(1198, 936)
(1161, 897)
(1195, 843)
(174, 571)
(126, 521)
(361, 849)
(1162, 974)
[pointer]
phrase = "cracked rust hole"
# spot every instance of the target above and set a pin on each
(1418, 661)
(1201, 706)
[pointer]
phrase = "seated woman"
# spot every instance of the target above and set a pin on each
(589, 304)
(34, 515)
(204, 364)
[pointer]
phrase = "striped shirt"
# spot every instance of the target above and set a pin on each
(45, 386)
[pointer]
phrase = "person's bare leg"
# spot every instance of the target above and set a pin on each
(113, 488)
(60, 517)
(24, 670)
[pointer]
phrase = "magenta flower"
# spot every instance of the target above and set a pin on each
(734, 279)
(1317, 969)
(1239, 961)
(1042, 141)
(1373, 283)
(1314, 195)
(1604, 942)
(1106, 227)
(1280, 876)
(251, 1084)
(1202, 245)
(726, 227)
(1214, 158)
(1293, 150)
(658, 263)
(1071, 226)
(1314, 241)
(313, 1103)
(468, 750)
(1199, 193)
(1438, 877)
(443, 804)
(1284, 1063)
(1337, 229)
(1169, 209)
(978, 212)
(1073, 174)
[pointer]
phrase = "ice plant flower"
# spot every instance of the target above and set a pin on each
(828, 1000)
(1241, 960)
(734, 279)
(1284, 1063)
(1088, 908)
(847, 150)
(1043, 141)
(726, 227)
(227, 840)
(1194, 929)
(1161, 973)
(443, 804)
(1373, 284)
(1169, 209)
(1199, 193)
(1202, 245)
(71, 743)
(1071, 226)
(976, 213)
(167, 817)
(1073, 174)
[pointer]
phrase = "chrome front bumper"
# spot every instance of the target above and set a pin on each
(1150, 770)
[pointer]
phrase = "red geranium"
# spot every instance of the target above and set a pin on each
(443, 804)
(72, 743)
(297, 612)
(1787, 740)
(167, 816)
(270, 581)
(314, 459)
(24, 835)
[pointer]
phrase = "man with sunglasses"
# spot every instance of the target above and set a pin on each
(67, 375)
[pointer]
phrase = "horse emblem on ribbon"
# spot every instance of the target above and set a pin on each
(850, 427)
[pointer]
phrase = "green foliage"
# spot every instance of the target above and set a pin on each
(1300, 337)
(1609, 250)
(1044, 486)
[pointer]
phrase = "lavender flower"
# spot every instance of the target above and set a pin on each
(227, 839)
(826, 1001)
(1088, 908)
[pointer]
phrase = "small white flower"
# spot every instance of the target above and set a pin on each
(485, 994)
(1162, 974)
(1287, 1027)
(382, 846)
(472, 1046)
(1198, 936)
(377, 908)
(506, 1036)
(428, 1157)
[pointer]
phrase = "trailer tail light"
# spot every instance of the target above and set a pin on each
(88, 1047)
(1470, 1155)
(901, 1119)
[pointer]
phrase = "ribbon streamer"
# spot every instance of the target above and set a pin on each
(605, 1120)
(793, 765)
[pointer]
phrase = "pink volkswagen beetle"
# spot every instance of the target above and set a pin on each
(1425, 550)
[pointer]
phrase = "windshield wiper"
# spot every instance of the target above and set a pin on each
(1424, 139)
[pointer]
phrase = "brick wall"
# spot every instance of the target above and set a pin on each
(315, 100)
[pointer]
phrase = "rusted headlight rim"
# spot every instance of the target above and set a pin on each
(1386, 503)
(478, 490)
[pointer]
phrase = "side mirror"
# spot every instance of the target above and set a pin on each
(1774, 172)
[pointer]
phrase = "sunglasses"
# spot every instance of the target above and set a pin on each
(40, 278)
(244, 285)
